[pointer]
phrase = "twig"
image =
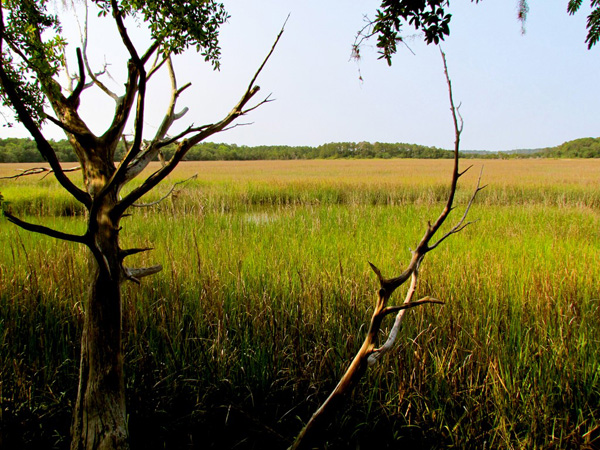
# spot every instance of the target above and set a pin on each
(145, 205)
(38, 170)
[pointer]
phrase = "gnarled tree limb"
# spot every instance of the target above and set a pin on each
(46, 230)
(153, 148)
(184, 146)
(368, 354)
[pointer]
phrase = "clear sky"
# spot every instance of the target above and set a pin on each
(517, 91)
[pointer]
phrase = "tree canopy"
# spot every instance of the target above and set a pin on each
(433, 19)
(33, 47)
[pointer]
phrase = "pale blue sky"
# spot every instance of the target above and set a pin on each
(517, 91)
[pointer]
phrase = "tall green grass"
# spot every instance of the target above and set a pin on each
(264, 298)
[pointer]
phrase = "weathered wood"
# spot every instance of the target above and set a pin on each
(367, 354)
(99, 419)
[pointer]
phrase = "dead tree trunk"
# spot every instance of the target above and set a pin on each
(368, 354)
(99, 419)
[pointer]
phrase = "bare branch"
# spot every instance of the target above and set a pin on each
(250, 86)
(150, 153)
(38, 170)
(432, 229)
(133, 251)
(367, 355)
(135, 274)
(461, 223)
(235, 125)
(167, 195)
(267, 99)
(393, 335)
(465, 171)
(424, 301)
(184, 146)
(45, 230)
(377, 272)
(94, 76)
(74, 97)
(423, 246)
(190, 130)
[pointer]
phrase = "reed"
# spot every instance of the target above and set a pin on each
(266, 289)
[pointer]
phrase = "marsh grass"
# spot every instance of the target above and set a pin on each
(266, 291)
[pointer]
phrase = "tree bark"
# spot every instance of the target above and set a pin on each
(99, 419)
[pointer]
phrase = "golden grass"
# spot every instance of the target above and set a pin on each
(582, 172)
(266, 290)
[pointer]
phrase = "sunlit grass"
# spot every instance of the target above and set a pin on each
(266, 289)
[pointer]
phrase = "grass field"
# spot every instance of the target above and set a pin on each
(266, 291)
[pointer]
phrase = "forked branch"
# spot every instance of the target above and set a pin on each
(153, 148)
(184, 146)
(368, 354)
(93, 75)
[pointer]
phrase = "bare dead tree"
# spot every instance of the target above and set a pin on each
(99, 417)
(368, 354)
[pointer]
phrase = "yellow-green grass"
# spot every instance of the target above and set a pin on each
(266, 289)
(227, 185)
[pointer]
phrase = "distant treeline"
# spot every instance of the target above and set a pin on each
(579, 148)
(24, 150)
